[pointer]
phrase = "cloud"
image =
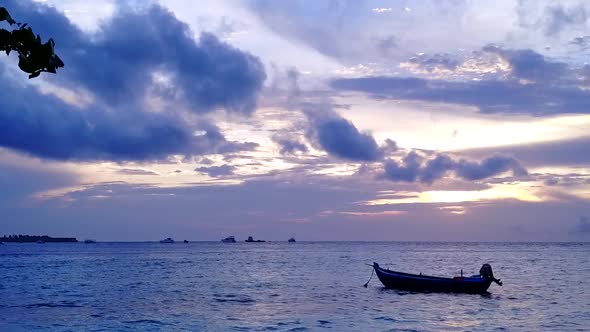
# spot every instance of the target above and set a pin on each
(217, 171)
(530, 65)
(289, 146)
(534, 86)
(407, 171)
(488, 167)
(340, 138)
(568, 152)
(150, 50)
(136, 171)
(20, 178)
(582, 42)
(414, 167)
(558, 18)
(432, 63)
(319, 25)
(117, 65)
(46, 127)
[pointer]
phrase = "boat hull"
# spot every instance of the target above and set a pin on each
(420, 283)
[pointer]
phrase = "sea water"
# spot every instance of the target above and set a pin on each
(277, 286)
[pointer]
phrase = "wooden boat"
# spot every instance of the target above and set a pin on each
(477, 284)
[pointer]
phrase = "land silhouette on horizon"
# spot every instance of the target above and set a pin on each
(36, 238)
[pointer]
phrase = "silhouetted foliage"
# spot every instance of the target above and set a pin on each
(34, 57)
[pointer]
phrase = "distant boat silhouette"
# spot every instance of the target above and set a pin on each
(251, 239)
(89, 241)
(292, 240)
(167, 240)
(41, 242)
(229, 239)
(185, 241)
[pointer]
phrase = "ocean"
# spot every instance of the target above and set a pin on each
(277, 286)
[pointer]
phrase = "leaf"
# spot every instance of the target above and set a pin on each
(35, 74)
(34, 56)
(58, 62)
(5, 16)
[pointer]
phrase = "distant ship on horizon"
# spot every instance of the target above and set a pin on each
(229, 239)
(251, 239)
(292, 240)
(167, 240)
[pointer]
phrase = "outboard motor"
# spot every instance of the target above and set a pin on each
(487, 273)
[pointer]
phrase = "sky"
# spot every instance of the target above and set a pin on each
(396, 120)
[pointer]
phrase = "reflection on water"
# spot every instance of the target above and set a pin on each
(277, 286)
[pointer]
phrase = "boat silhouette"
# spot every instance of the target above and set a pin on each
(476, 284)
(251, 239)
(229, 239)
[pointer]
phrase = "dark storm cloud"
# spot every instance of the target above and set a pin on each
(413, 167)
(117, 62)
(216, 171)
(553, 87)
(116, 65)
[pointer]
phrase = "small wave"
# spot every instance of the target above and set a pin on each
(146, 321)
(63, 304)
(385, 318)
(234, 298)
(294, 322)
